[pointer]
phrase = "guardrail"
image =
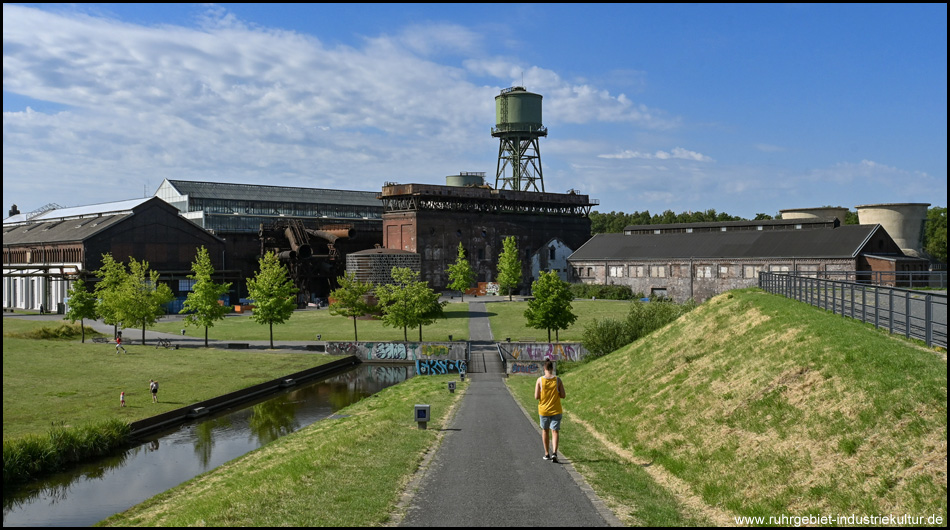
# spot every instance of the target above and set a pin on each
(905, 279)
(915, 314)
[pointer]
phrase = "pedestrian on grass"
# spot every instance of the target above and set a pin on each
(153, 387)
(549, 391)
(121, 399)
(118, 344)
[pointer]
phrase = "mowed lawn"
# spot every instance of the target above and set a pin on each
(306, 325)
(65, 382)
(507, 319)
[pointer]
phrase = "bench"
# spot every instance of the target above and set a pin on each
(238, 345)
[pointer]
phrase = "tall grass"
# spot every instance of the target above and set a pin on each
(33, 456)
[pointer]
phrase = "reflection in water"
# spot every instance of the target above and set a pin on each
(97, 490)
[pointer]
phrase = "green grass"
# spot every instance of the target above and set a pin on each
(766, 406)
(626, 487)
(344, 472)
(65, 383)
(305, 325)
(507, 319)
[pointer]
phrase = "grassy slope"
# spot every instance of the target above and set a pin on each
(764, 406)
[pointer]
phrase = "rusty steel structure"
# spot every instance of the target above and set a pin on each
(315, 258)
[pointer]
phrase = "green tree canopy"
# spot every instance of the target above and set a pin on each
(349, 300)
(201, 305)
(142, 297)
(408, 302)
(461, 274)
(112, 274)
(82, 305)
(551, 306)
(935, 234)
(273, 293)
(509, 266)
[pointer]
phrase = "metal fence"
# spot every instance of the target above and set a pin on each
(915, 314)
(906, 279)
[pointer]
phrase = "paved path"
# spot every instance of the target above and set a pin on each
(488, 469)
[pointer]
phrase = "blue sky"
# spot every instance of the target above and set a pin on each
(744, 109)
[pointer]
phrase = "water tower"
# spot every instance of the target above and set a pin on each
(518, 127)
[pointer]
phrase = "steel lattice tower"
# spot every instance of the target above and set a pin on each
(518, 127)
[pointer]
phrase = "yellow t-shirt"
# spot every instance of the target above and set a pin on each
(550, 402)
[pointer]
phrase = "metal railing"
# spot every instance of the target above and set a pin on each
(918, 315)
(905, 279)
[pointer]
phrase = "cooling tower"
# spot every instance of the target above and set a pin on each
(904, 222)
(825, 212)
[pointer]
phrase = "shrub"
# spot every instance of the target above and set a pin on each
(33, 456)
(603, 292)
(64, 331)
(607, 335)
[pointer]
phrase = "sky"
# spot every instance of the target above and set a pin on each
(743, 109)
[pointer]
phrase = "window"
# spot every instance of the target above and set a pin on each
(552, 255)
(723, 271)
(704, 271)
(637, 271)
(615, 271)
(658, 271)
(751, 271)
(779, 268)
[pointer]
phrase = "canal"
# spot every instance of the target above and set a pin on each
(92, 492)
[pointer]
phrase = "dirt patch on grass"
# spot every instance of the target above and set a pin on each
(691, 502)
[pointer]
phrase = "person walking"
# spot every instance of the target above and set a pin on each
(153, 387)
(121, 399)
(549, 391)
(118, 344)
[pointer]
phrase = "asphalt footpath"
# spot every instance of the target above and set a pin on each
(488, 469)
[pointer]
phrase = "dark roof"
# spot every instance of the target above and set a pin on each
(818, 222)
(255, 192)
(60, 230)
(842, 242)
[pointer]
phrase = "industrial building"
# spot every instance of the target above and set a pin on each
(701, 260)
(44, 250)
(311, 229)
(432, 219)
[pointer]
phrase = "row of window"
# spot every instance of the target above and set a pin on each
(700, 271)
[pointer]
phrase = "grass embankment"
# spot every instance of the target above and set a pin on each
(305, 325)
(343, 472)
(755, 405)
(507, 319)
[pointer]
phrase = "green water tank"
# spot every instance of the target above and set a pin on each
(516, 109)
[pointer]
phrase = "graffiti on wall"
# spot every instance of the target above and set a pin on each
(525, 367)
(439, 366)
(491, 288)
(399, 351)
(542, 351)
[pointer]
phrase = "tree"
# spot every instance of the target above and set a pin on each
(112, 274)
(273, 293)
(461, 274)
(349, 300)
(201, 304)
(82, 305)
(935, 234)
(509, 266)
(141, 297)
(551, 306)
(408, 302)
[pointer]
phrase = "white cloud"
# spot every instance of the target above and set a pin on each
(677, 153)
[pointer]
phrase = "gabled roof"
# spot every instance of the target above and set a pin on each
(842, 242)
(64, 225)
(255, 192)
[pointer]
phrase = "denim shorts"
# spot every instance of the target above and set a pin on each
(551, 422)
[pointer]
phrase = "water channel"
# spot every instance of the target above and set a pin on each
(90, 493)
